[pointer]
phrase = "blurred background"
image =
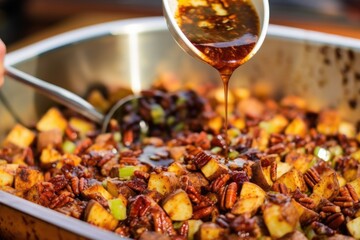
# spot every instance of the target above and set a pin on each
(25, 21)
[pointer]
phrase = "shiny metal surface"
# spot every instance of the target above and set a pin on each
(170, 7)
(322, 68)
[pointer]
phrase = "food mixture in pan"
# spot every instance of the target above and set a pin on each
(291, 173)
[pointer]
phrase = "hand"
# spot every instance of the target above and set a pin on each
(2, 55)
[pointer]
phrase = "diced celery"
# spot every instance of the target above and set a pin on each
(117, 137)
(177, 225)
(68, 146)
(216, 150)
(233, 154)
(117, 209)
(126, 172)
(322, 153)
(157, 114)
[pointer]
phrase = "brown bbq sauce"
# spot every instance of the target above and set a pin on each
(224, 31)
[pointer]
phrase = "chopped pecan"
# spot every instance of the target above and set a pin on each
(231, 194)
(59, 182)
(322, 229)
(335, 220)
(219, 182)
(281, 188)
(162, 223)
(61, 200)
(201, 159)
(203, 212)
(311, 177)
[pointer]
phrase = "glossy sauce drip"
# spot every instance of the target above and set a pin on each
(224, 31)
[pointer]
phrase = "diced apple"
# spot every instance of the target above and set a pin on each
(95, 191)
(178, 206)
(261, 176)
(20, 136)
(354, 227)
(97, 215)
(164, 182)
(26, 178)
(210, 231)
(213, 169)
(251, 198)
(81, 125)
(328, 187)
(293, 179)
(280, 219)
(52, 119)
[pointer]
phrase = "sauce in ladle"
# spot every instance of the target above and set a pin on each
(224, 31)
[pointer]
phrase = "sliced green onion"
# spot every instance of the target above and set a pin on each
(126, 172)
(233, 154)
(322, 153)
(68, 146)
(117, 209)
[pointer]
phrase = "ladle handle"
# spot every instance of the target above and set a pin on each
(58, 94)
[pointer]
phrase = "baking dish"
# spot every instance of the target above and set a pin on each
(322, 68)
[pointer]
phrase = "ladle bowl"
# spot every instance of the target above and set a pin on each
(170, 7)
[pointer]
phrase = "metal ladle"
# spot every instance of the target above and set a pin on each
(70, 99)
(170, 8)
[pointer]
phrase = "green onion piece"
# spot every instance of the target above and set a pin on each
(322, 153)
(126, 172)
(216, 150)
(157, 114)
(68, 146)
(117, 209)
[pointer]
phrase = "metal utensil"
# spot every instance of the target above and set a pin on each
(70, 99)
(170, 8)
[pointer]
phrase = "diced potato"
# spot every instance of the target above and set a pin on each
(280, 219)
(210, 231)
(274, 125)
(97, 215)
(49, 138)
(177, 168)
(98, 101)
(329, 122)
(178, 206)
(356, 185)
(293, 179)
(81, 125)
(164, 182)
(177, 153)
(306, 215)
(251, 198)
(348, 129)
(299, 161)
(20, 136)
(6, 179)
(194, 226)
(261, 176)
(96, 191)
(26, 178)
(213, 169)
(354, 227)
(53, 119)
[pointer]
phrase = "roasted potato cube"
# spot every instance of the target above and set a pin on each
(26, 178)
(213, 169)
(7, 174)
(97, 191)
(297, 127)
(164, 182)
(81, 125)
(178, 206)
(353, 227)
(299, 161)
(49, 138)
(177, 168)
(210, 231)
(97, 215)
(280, 219)
(328, 187)
(251, 198)
(261, 176)
(20, 136)
(356, 185)
(329, 122)
(53, 119)
(49, 155)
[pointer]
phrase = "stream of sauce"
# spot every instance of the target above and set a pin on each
(224, 31)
